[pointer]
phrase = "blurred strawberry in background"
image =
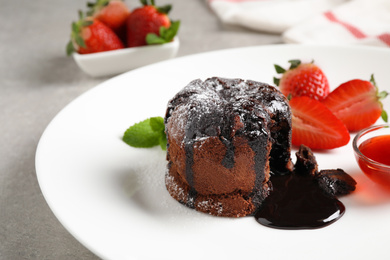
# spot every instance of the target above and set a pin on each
(111, 25)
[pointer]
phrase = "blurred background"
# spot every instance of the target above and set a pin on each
(37, 80)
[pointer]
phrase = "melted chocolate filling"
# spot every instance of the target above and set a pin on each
(297, 202)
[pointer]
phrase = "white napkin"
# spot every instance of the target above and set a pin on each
(312, 21)
(359, 22)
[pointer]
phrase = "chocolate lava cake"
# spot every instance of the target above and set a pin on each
(225, 137)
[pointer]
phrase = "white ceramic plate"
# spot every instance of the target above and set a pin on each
(112, 197)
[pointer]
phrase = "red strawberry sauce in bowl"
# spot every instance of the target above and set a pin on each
(372, 152)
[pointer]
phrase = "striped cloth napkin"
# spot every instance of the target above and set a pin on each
(364, 22)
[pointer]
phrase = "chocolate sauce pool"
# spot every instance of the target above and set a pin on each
(297, 202)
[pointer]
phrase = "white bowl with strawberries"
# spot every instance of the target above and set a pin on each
(111, 39)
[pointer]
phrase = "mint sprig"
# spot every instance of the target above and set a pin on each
(146, 134)
(165, 34)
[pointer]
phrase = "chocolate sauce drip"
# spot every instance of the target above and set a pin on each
(260, 162)
(191, 198)
(228, 160)
(297, 202)
(189, 150)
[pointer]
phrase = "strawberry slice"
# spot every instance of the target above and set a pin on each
(315, 126)
(357, 103)
(302, 79)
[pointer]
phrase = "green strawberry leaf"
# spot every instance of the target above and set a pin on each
(75, 27)
(75, 37)
(164, 9)
(372, 80)
(382, 95)
(294, 63)
(276, 81)
(80, 41)
(152, 38)
(162, 31)
(279, 69)
(69, 48)
(384, 116)
(96, 7)
(86, 23)
(166, 34)
(170, 33)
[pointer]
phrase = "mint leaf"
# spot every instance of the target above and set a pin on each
(163, 142)
(157, 124)
(146, 134)
(141, 135)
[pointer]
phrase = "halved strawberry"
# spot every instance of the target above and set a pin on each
(302, 79)
(357, 103)
(315, 126)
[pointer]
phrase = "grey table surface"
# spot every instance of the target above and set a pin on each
(37, 80)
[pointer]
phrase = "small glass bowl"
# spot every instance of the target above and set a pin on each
(376, 171)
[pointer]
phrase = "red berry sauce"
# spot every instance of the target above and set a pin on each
(378, 150)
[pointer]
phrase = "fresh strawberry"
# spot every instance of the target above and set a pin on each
(302, 79)
(149, 20)
(90, 36)
(112, 13)
(357, 103)
(315, 126)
